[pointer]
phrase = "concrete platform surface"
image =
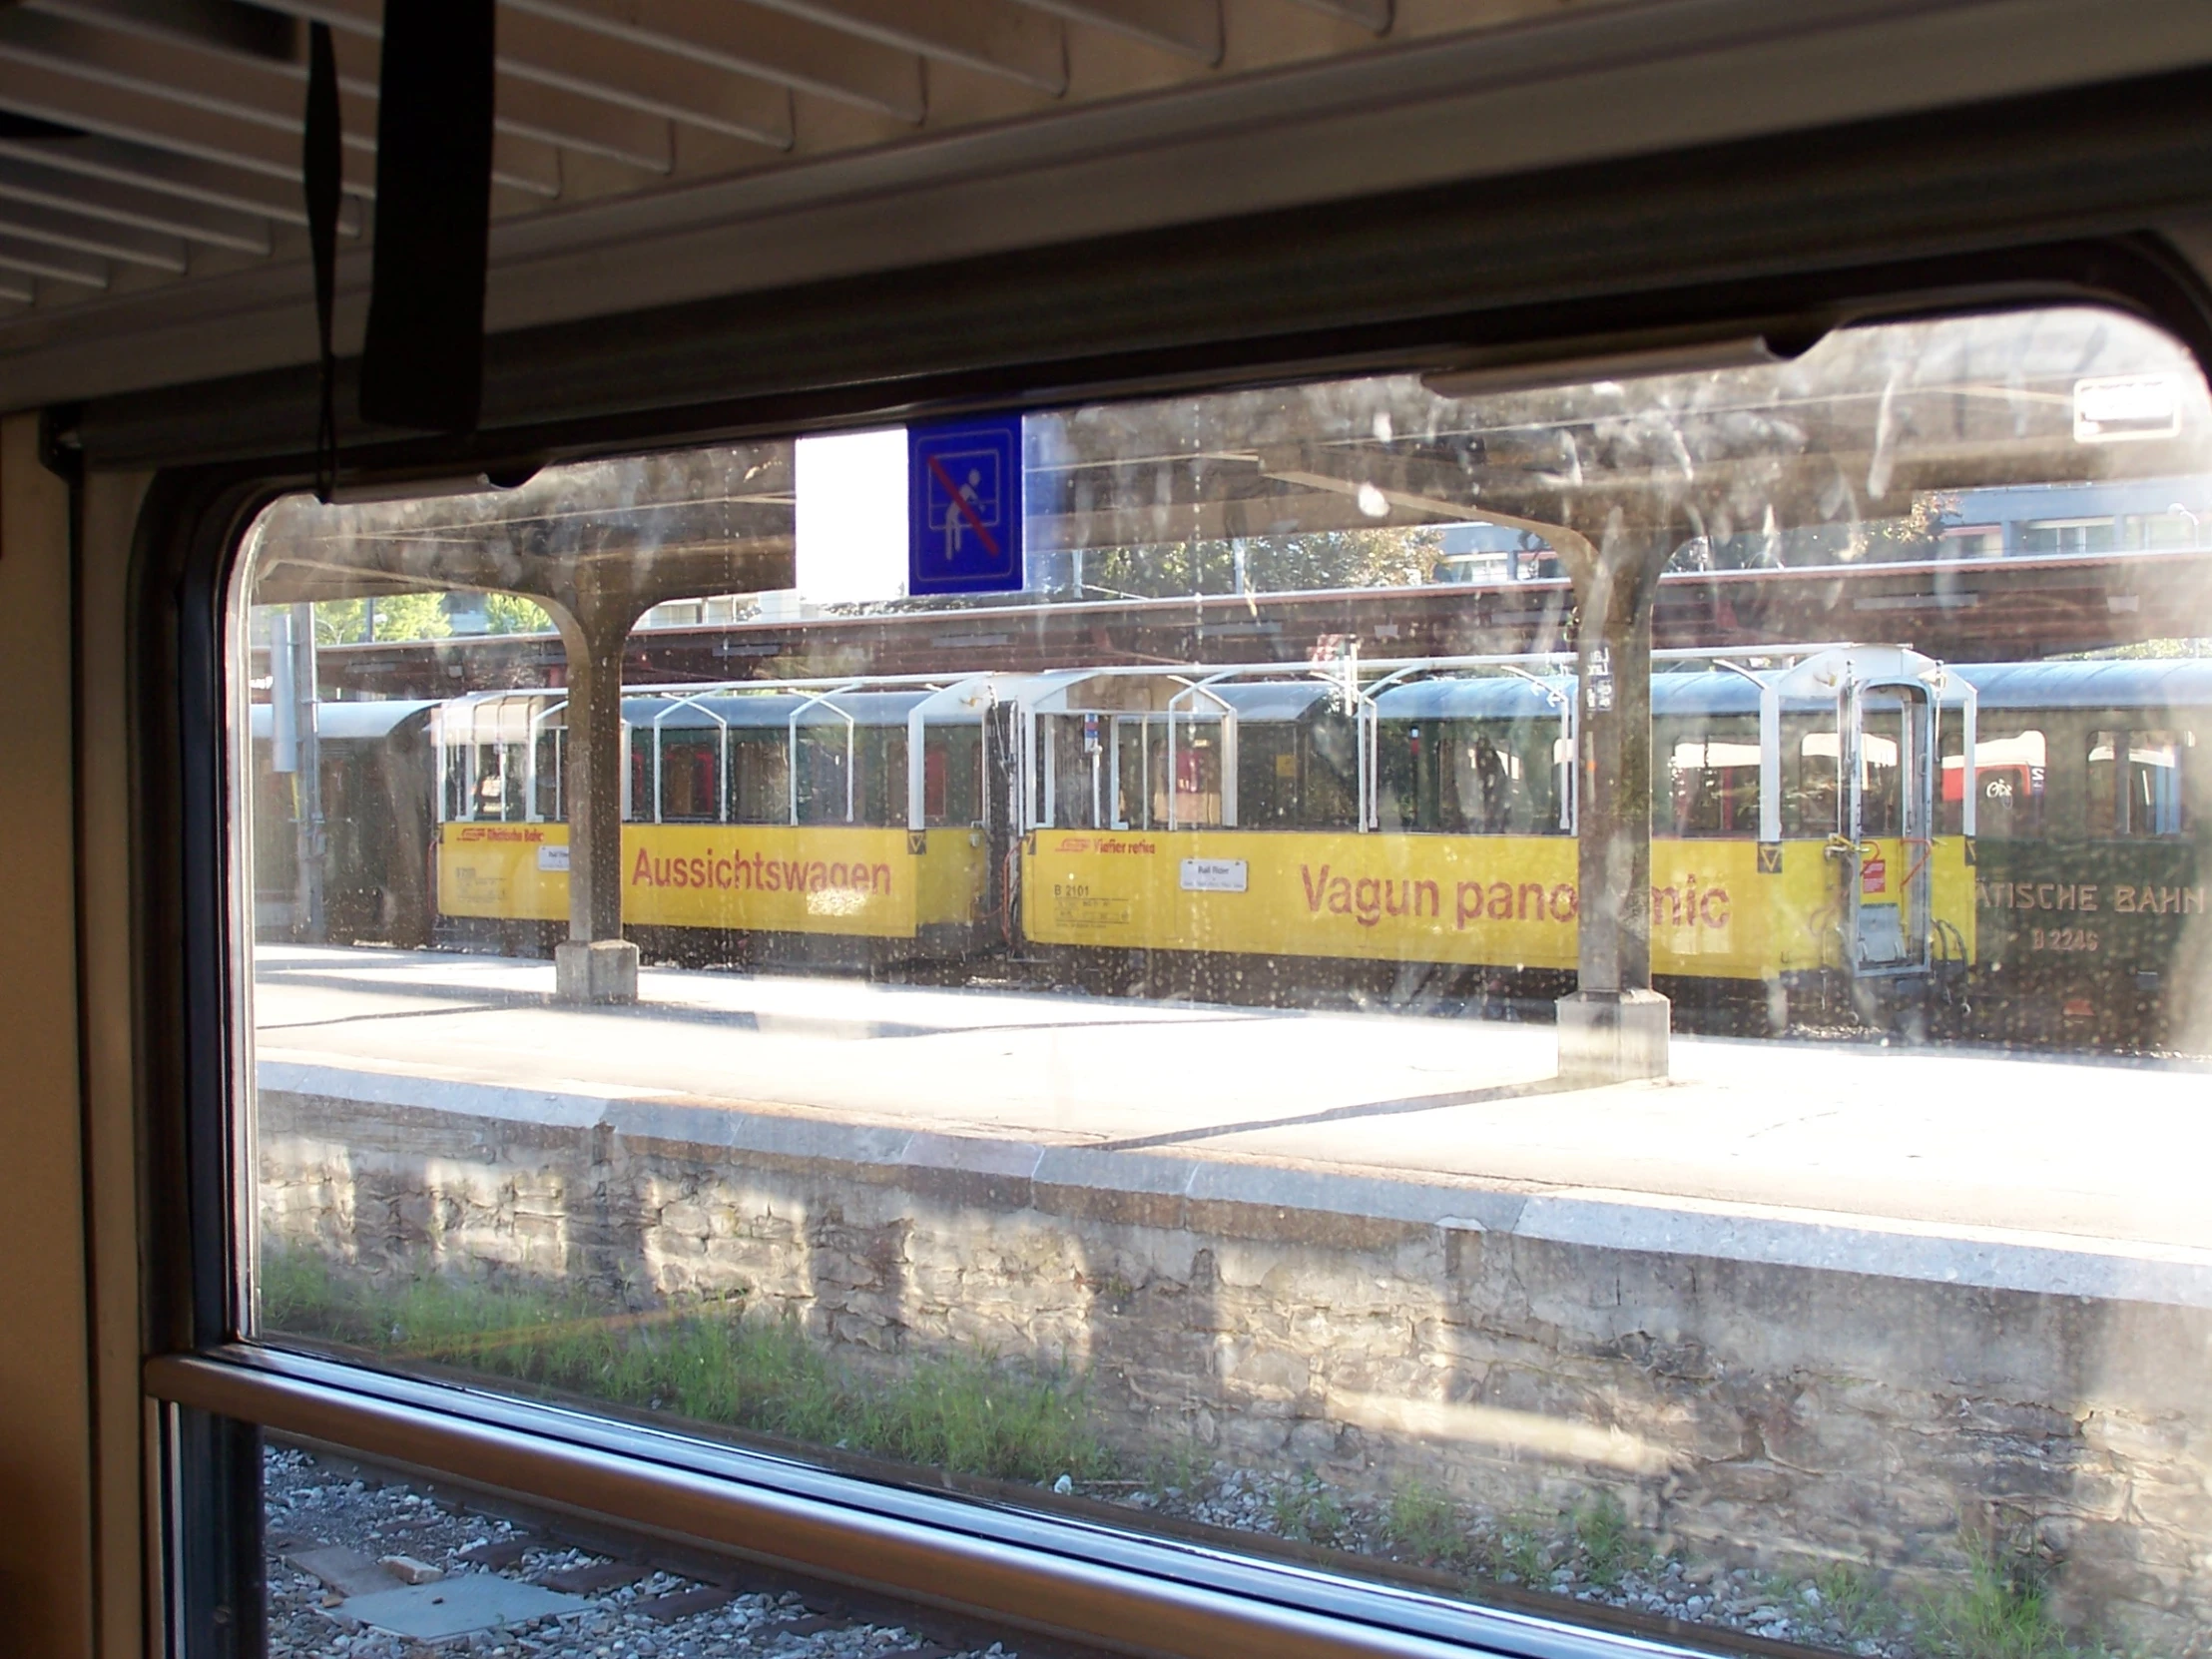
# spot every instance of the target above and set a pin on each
(2108, 1157)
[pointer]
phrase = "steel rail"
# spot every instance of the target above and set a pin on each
(1076, 1579)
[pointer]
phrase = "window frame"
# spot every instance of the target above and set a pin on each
(214, 1393)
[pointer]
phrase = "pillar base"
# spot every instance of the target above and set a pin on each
(1612, 1037)
(600, 970)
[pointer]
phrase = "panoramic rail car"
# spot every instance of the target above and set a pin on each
(788, 814)
(1846, 830)
(1425, 813)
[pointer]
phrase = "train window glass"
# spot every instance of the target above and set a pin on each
(1482, 778)
(826, 766)
(1268, 777)
(760, 773)
(1299, 774)
(637, 783)
(1133, 751)
(1815, 783)
(2011, 776)
(1185, 771)
(461, 1569)
(1075, 781)
(1708, 775)
(2136, 784)
(1882, 783)
(1094, 1050)
(691, 776)
(548, 802)
(1462, 776)
(952, 766)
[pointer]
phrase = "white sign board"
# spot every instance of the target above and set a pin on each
(850, 517)
(1215, 874)
(2111, 408)
(554, 858)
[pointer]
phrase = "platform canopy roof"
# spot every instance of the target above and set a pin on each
(1869, 438)
(1712, 440)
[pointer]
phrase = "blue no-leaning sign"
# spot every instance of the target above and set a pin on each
(964, 524)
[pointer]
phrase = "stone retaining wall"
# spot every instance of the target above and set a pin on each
(1747, 1405)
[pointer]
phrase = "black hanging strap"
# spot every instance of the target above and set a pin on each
(423, 363)
(321, 165)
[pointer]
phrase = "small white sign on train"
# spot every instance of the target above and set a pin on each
(1215, 874)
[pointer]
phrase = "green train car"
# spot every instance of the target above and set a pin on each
(2094, 800)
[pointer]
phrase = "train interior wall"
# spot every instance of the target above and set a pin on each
(45, 1458)
(72, 1514)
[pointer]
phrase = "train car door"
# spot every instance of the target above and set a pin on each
(1888, 765)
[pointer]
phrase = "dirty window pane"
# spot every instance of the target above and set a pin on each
(1300, 1026)
(375, 1562)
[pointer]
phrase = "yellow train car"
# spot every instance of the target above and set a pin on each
(845, 810)
(1425, 813)
(1396, 812)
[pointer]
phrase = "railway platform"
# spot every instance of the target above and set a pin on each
(1951, 1166)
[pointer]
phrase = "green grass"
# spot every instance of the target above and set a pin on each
(711, 1363)
(1423, 1527)
(1181, 1469)
(1305, 1512)
(1850, 1595)
(1601, 1529)
(1524, 1548)
(2001, 1610)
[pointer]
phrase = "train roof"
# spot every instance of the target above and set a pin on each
(349, 721)
(2121, 683)
(1261, 699)
(1477, 697)
(772, 711)
(2125, 683)
(1509, 696)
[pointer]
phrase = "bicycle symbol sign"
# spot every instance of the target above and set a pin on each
(966, 530)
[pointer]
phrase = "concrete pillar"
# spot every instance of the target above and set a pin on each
(1615, 1026)
(594, 964)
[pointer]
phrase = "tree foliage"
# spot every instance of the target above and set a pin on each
(1381, 558)
(510, 613)
(423, 616)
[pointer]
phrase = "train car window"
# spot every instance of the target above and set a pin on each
(1708, 775)
(848, 772)
(1483, 755)
(1186, 774)
(1140, 1061)
(1882, 763)
(952, 776)
(549, 1582)
(2011, 777)
(691, 776)
(1815, 784)
(1132, 753)
(759, 776)
(2136, 784)
(548, 802)
(1075, 772)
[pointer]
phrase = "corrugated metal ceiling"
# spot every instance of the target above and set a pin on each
(146, 141)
